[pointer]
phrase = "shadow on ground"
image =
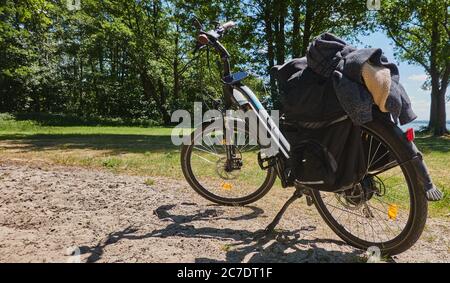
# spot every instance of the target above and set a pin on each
(246, 246)
(429, 144)
(126, 143)
(117, 143)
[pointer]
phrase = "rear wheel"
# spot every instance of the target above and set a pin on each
(388, 208)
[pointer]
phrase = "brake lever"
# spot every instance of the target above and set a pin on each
(216, 24)
(197, 23)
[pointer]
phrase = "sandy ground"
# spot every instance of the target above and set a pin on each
(50, 214)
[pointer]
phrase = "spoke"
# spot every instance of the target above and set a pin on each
(335, 207)
(392, 176)
(209, 152)
(379, 224)
(250, 149)
(339, 217)
(374, 155)
(397, 224)
(385, 168)
(386, 223)
(381, 211)
(245, 145)
(373, 231)
(379, 158)
(203, 146)
(364, 228)
(391, 188)
(211, 146)
(368, 154)
(348, 218)
(203, 158)
(382, 201)
(392, 199)
(403, 221)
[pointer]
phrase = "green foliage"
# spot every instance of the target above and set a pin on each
(421, 32)
(412, 25)
(149, 182)
(125, 59)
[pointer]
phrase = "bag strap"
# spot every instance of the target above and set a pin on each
(319, 124)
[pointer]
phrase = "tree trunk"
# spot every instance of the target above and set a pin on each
(270, 48)
(82, 110)
(162, 104)
(307, 26)
(440, 128)
(433, 112)
(176, 77)
(150, 93)
(280, 33)
(295, 41)
(438, 121)
(36, 101)
(437, 111)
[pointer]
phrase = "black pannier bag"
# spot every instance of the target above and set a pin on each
(327, 151)
(313, 164)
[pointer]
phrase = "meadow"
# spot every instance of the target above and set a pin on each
(147, 150)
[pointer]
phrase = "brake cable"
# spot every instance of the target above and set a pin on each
(211, 74)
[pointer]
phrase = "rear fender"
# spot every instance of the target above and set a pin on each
(412, 155)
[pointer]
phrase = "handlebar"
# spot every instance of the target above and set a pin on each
(228, 25)
(213, 36)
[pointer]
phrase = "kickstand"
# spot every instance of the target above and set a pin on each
(299, 191)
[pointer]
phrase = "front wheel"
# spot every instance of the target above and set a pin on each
(388, 208)
(205, 167)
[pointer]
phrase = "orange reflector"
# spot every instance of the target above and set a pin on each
(392, 211)
(227, 186)
(410, 134)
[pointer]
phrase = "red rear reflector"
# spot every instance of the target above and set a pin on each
(410, 134)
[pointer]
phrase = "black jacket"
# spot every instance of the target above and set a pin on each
(330, 56)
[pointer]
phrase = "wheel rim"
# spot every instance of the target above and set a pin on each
(206, 161)
(382, 213)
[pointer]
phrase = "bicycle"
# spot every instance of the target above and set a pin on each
(386, 209)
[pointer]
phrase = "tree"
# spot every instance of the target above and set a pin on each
(420, 31)
(125, 58)
(287, 27)
(27, 66)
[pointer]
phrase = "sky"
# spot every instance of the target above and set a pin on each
(411, 76)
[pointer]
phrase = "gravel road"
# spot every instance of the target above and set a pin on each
(52, 213)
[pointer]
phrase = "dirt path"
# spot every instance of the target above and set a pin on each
(47, 211)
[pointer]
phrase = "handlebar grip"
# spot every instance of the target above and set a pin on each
(203, 39)
(228, 25)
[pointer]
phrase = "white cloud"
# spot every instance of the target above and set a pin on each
(418, 77)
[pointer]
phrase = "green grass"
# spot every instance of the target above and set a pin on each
(149, 182)
(436, 153)
(148, 151)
